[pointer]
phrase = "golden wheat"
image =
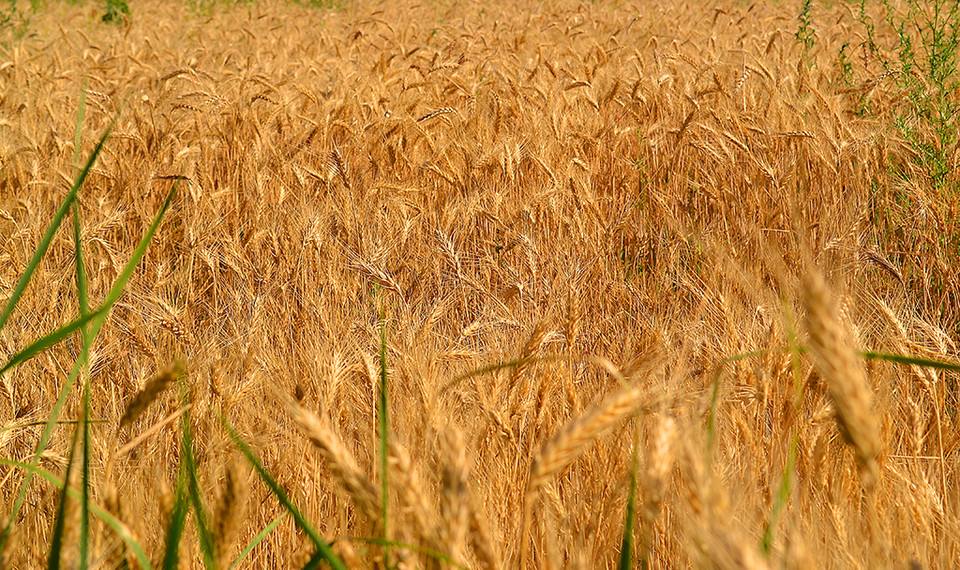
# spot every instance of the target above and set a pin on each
(150, 392)
(834, 353)
(528, 198)
(340, 461)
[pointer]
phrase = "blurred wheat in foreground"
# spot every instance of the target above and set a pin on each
(473, 284)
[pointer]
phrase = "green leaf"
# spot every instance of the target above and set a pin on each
(56, 544)
(785, 488)
(782, 497)
(715, 395)
(97, 317)
(86, 347)
(626, 544)
(912, 360)
(56, 540)
(81, 272)
(263, 534)
(207, 546)
(505, 365)
(314, 561)
(384, 435)
(52, 339)
(178, 520)
(322, 546)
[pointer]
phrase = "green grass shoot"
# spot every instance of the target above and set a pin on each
(384, 434)
(627, 543)
(178, 520)
(322, 547)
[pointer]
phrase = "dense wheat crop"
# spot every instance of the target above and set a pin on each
(673, 226)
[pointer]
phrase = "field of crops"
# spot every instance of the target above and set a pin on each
(479, 284)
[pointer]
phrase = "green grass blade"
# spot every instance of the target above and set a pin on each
(178, 520)
(41, 447)
(18, 292)
(116, 291)
(97, 317)
(781, 499)
(207, 547)
(785, 488)
(86, 347)
(85, 469)
(712, 413)
(505, 365)
(59, 523)
(81, 272)
(108, 519)
(96, 320)
(52, 228)
(52, 339)
(511, 364)
(315, 561)
(384, 433)
(912, 360)
(83, 299)
(627, 543)
(715, 396)
(85, 465)
(281, 495)
(261, 536)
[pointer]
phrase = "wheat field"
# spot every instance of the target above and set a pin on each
(576, 240)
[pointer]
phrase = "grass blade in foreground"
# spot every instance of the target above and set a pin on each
(96, 320)
(382, 413)
(785, 488)
(52, 339)
(626, 545)
(108, 519)
(97, 317)
(912, 360)
(86, 347)
(178, 520)
(193, 488)
(263, 534)
(323, 548)
(781, 498)
(56, 541)
(51, 230)
(715, 396)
